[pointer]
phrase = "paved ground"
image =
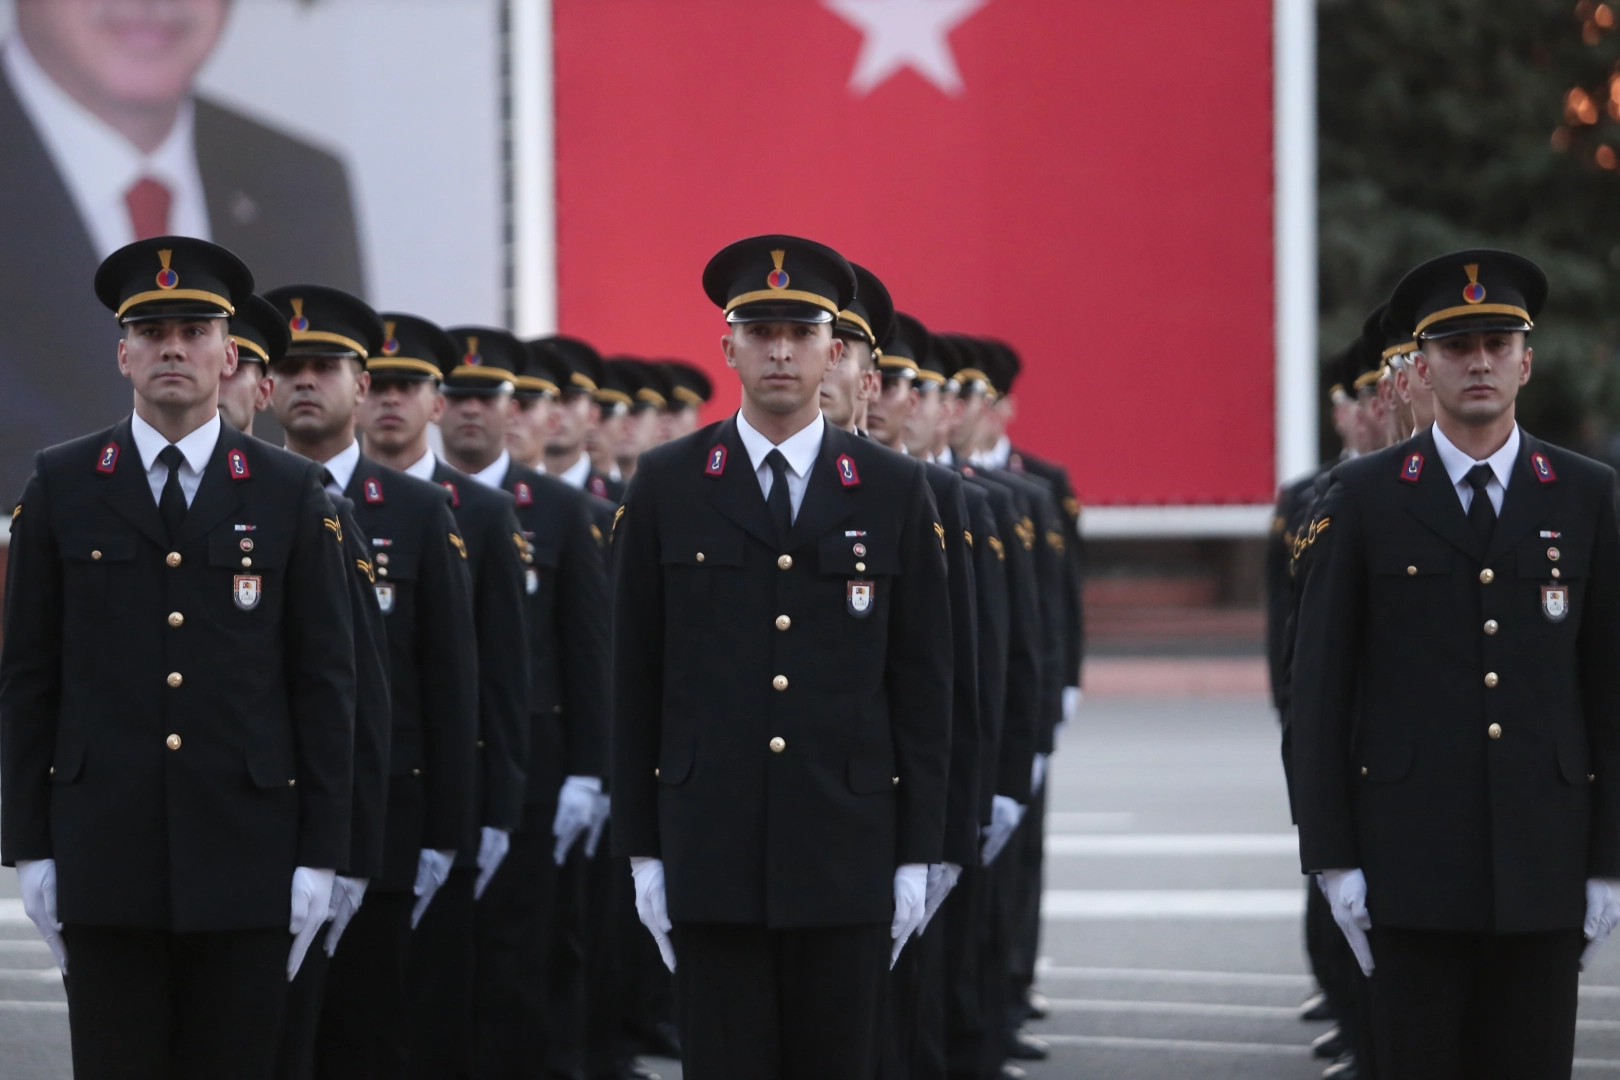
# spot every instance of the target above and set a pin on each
(1172, 940)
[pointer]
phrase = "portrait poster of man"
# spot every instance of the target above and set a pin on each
(352, 143)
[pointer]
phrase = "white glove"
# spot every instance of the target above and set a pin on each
(432, 870)
(601, 810)
(649, 878)
(1005, 814)
(493, 844)
(576, 802)
(347, 892)
(38, 880)
(942, 878)
(1072, 696)
(1037, 773)
(910, 902)
(311, 896)
(1602, 913)
(1346, 891)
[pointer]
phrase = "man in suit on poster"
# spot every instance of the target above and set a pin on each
(103, 141)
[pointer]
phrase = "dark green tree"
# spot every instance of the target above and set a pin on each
(1449, 124)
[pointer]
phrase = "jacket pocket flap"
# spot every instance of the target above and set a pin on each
(711, 549)
(69, 760)
(269, 768)
(1387, 763)
(1574, 765)
(675, 761)
(98, 547)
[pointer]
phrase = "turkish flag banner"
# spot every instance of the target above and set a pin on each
(1090, 182)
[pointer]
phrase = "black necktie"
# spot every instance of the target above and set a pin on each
(780, 503)
(1481, 514)
(172, 503)
(327, 479)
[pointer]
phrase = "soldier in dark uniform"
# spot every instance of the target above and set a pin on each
(246, 392)
(423, 592)
(1455, 700)
(578, 411)
(177, 696)
(535, 397)
(690, 390)
(796, 852)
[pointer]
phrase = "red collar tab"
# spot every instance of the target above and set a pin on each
(373, 490)
(108, 461)
(455, 496)
(717, 462)
(236, 463)
(1543, 468)
(599, 487)
(847, 475)
(523, 493)
(1412, 470)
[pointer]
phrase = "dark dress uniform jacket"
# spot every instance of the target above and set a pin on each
(1069, 547)
(425, 595)
(373, 716)
(962, 796)
(1397, 769)
(121, 644)
(565, 586)
(991, 602)
(810, 834)
(495, 552)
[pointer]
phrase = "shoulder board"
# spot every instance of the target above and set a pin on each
(1412, 468)
(1543, 468)
(847, 473)
(108, 461)
(455, 496)
(236, 464)
(523, 493)
(373, 489)
(716, 464)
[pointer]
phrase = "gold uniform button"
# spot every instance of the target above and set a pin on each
(1552, 553)
(1491, 626)
(783, 622)
(1491, 680)
(96, 555)
(172, 742)
(1494, 731)
(382, 558)
(53, 772)
(416, 772)
(1591, 778)
(785, 562)
(246, 561)
(480, 744)
(382, 571)
(896, 780)
(780, 682)
(1486, 576)
(1364, 770)
(700, 556)
(557, 709)
(1555, 572)
(176, 619)
(778, 745)
(1411, 570)
(655, 774)
(860, 568)
(173, 558)
(292, 783)
(175, 679)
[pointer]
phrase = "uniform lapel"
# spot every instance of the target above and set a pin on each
(826, 500)
(1524, 504)
(126, 490)
(219, 496)
(735, 492)
(1433, 500)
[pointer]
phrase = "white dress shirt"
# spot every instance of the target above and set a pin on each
(196, 448)
(495, 472)
(577, 473)
(98, 165)
(997, 456)
(945, 457)
(800, 449)
(423, 469)
(1458, 463)
(342, 468)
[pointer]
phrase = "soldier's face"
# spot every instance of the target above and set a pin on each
(316, 397)
(571, 420)
(967, 421)
(474, 425)
(1475, 378)
(843, 386)
(782, 365)
(244, 393)
(642, 430)
(922, 427)
(177, 363)
(678, 422)
(134, 52)
(890, 412)
(526, 432)
(395, 412)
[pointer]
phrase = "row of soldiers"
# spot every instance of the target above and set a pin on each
(1444, 631)
(455, 688)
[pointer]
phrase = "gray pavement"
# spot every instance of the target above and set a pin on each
(1172, 943)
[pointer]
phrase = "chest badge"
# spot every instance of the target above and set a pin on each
(531, 580)
(385, 598)
(246, 590)
(859, 596)
(1555, 602)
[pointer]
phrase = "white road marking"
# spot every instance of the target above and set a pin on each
(1166, 975)
(1222, 1011)
(1067, 844)
(12, 914)
(1089, 821)
(33, 1006)
(1084, 904)
(1121, 1042)
(50, 974)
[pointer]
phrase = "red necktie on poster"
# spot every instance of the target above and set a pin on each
(148, 202)
(1090, 182)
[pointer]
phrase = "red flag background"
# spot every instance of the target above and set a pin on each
(1096, 190)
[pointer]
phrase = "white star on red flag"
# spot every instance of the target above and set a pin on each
(905, 33)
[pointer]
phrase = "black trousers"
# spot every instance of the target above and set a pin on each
(1340, 977)
(565, 996)
(761, 1004)
(606, 882)
(512, 943)
(301, 1019)
(362, 1029)
(969, 1029)
(151, 1005)
(1025, 855)
(914, 1029)
(440, 976)
(1485, 1007)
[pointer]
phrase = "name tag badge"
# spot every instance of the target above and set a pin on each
(531, 581)
(1555, 602)
(385, 598)
(859, 598)
(246, 590)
